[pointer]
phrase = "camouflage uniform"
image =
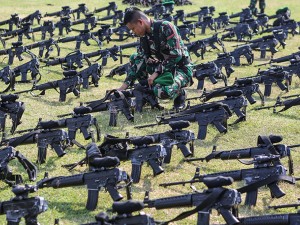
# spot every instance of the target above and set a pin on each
(175, 68)
(262, 5)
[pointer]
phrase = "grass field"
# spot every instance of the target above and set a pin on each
(68, 204)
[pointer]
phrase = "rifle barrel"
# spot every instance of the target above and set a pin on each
(146, 125)
(296, 205)
(64, 115)
(180, 183)
(194, 159)
(294, 146)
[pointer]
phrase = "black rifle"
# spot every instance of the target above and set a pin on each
(64, 23)
(117, 101)
(222, 21)
(112, 6)
(209, 70)
(24, 30)
(208, 113)
(293, 68)
(243, 15)
(264, 43)
(68, 84)
(17, 50)
(245, 51)
(119, 70)
(204, 11)
(225, 60)
(45, 45)
(117, 17)
(57, 139)
(253, 24)
(13, 20)
(287, 104)
(104, 175)
(64, 12)
(247, 86)
(103, 34)
(81, 9)
(31, 66)
(7, 154)
(235, 100)
(286, 26)
(262, 20)
(295, 55)
(179, 16)
(89, 20)
(23, 206)
(186, 30)
(156, 11)
(176, 136)
(47, 27)
(240, 31)
(203, 44)
(124, 215)
(208, 21)
(5, 75)
(267, 171)
(265, 146)
(84, 36)
(94, 71)
(80, 120)
(272, 75)
(9, 106)
(30, 18)
(224, 200)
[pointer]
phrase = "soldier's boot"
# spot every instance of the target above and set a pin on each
(179, 101)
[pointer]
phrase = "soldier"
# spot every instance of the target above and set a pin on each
(262, 6)
(162, 55)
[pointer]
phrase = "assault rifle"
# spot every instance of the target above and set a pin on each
(293, 68)
(222, 21)
(186, 30)
(156, 11)
(208, 113)
(63, 23)
(47, 27)
(84, 36)
(287, 104)
(43, 137)
(45, 45)
(7, 154)
(253, 24)
(225, 60)
(240, 31)
(17, 50)
(235, 100)
(89, 20)
(112, 6)
(117, 101)
(295, 55)
(245, 51)
(5, 75)
(24, 30)
(104, 175)
(9, 106)
(123, 32)
(286, 26)
(81, 9)
(262, 20)
(175, 136)
(13, 20)
(208, 21)
(124, 215)
(64, 12)
(23, 206)
(30, 18)
(119, 70)
(103, 34)
(243, 15)
(267, 171)
(203, 44)
(204, 11)
(94, 71)
(68, 84)
(265, 146)
(209, 70)
(180, 15)
(224, 200)
(117, 17)
(247, 86)
(80, 120)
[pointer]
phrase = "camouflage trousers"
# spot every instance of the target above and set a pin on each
(262, 5)
(173, 83)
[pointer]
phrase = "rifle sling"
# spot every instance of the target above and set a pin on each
(269, 180)
(211, 199)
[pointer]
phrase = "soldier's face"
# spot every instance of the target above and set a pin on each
(138, 28)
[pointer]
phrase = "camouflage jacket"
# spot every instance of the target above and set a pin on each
(171, 47)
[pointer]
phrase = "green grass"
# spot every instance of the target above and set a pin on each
(68, 204)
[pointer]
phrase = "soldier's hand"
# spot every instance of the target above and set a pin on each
(152, 78)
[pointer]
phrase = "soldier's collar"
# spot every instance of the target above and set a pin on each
(151, 26)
